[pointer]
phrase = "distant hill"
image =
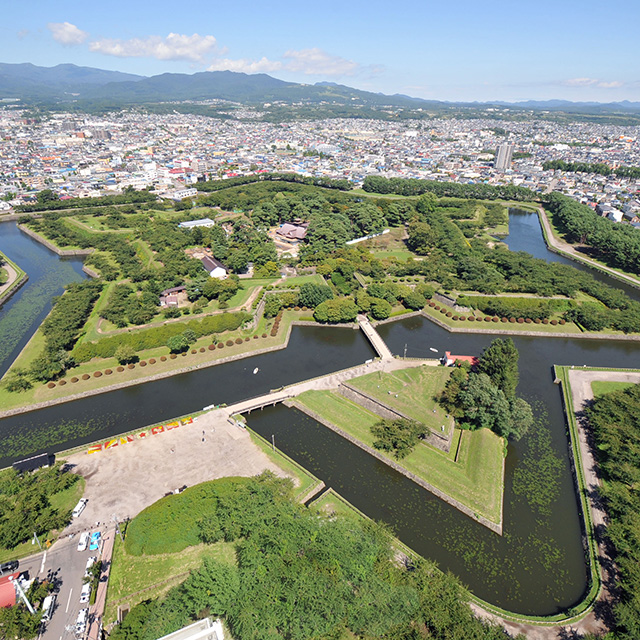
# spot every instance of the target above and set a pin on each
(69, 86)
(29, 80)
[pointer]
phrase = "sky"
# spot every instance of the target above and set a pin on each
(443, 50)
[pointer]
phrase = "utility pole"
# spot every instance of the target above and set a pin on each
(273, 442)
(20, 591)
(35, 539)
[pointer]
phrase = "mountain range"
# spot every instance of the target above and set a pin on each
(68, 83)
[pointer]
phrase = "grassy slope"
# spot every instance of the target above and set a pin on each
(476, 480)
(415, 390)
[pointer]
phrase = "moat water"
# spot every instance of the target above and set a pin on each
(536, 567)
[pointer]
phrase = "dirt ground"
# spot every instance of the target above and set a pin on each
(123, 480)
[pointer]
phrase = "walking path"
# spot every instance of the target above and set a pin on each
(12, 275)
(565, 247)
(374, 337)
(330, 381)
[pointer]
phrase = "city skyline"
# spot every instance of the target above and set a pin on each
(466, 52)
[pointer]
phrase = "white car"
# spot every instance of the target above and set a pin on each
(81, 621)
(90, 562)
(84, 541)
(85, 594)
(79, 507)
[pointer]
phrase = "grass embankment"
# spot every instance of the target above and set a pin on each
(412, 392)
(188, 360)
(4, 275)
(475, 479)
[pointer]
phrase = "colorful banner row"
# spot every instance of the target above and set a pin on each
(109, 444)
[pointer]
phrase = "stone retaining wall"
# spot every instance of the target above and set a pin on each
(495, 527)
(385, 411)
(14, 287)
(66, 252)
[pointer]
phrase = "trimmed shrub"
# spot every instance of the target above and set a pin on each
(62, 383)
(239, 340)
(74, 379)
(202, 349)
(545, 320)
(528, 320)
(495, 319)
(504, 319)
(108, 372)
(131, 366)
(449, 314)
(152, 360)
(120, 369)
(220, 345)
(143, 363)
(463, 318)
(211, 347)
(264, 335)
(432, 304)
(51, 385)
(443, 310)
(554, 322)
(229, 343)
(193, 351)
(255, 336)
(173, 356)
(437, 307)
(537, 320)
(97, 374)
(163, 358)
(520, 320)
(512, 320)
(86, 376)
(247, 339)
(455, 318)
(562, 321)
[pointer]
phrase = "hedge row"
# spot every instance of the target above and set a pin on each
(155, 337)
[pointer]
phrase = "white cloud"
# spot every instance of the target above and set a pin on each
(592, 82)
(175, 46)
(318, 62)
(67, 33)
(264, 65)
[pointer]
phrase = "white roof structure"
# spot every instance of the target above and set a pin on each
(204, 222)
(201, 630)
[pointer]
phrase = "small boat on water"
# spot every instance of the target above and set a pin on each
(432, 349)
(255, 371)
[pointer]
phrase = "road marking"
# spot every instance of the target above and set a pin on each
(44, 558)
(68, 601)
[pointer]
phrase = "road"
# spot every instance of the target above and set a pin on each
(64, 563)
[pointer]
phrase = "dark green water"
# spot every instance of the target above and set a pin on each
(27, 308)
(537, 567)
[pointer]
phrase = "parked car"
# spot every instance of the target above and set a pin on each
(95, 541)
(84, 540)
(81, 621)
(85, 594)
(90, 562)
(8, 567)
(79, 508)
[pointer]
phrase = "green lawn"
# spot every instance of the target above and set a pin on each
(600, 387)
(415, 390)
(316, 278)
(137, 578)
(476, 479)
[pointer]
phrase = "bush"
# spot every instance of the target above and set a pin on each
(120, 369)
(74, 379)
(449, 314)
(528, 320)
(211, 347)
(503, 319)
(255, 336)
(51, 385)
(62, 383)
(463, 318)
(152, 360)
(247, 339)
(85, 376)
(537, 320)
(239, 340)
(554, 322)
(173, 356)
(432, 304)
(202, 349)
(437, 307)
(220, 345)
(512, 320)
(163, 358)
(97, 374)
(229, 343)
(143, 363)
(562, 321)
(131, 366)
(545, 320)
(495, 319)
(264, 335)
(487, 319)
(194, 351)
(455, 318)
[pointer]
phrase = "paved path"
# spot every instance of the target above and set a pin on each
(12, 275)
(374, 337)
(565, 247)
(96, 611)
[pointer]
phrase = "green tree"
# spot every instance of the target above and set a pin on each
(177, 344)
(380, 309)
(500, 362)
(312, 294)
(125, 354)
(397, 436)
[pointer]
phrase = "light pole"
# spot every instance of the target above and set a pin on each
(35, 539)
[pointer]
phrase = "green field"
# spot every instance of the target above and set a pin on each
(600, 387)
(412, 392)
(476, 479)
(137, 578)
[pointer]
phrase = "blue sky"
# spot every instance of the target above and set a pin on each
(456, 50)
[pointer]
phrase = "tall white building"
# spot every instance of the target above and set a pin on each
(504, 154)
